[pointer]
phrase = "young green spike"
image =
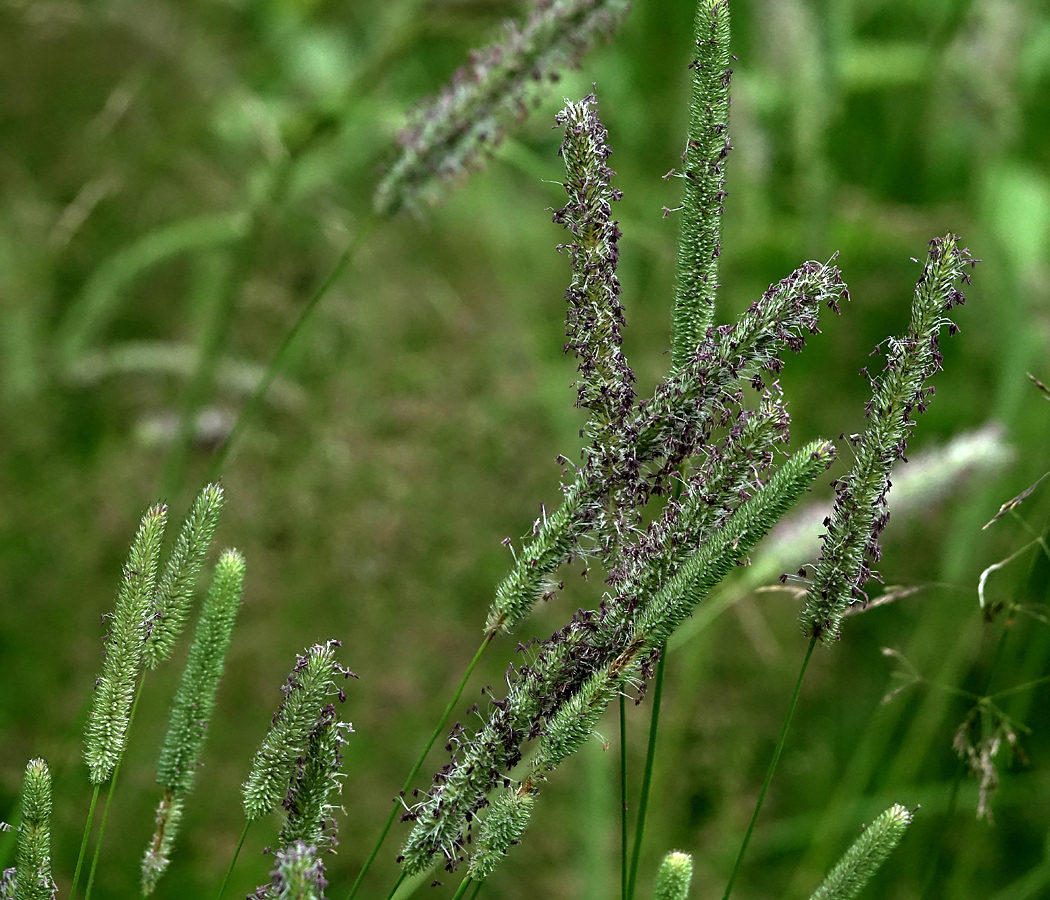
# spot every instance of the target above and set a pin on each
(866, 856)
(706, 148)
(673, 877)
(505, 823)
(175, 590)
(852, 538)
(309, 797)
(108, 723)
(307, 693)
(192, 709)
(33, 879)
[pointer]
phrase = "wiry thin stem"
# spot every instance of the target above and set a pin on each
(84, 842)
(772, 768)
(647, 776)
(623, 797)
(233, 861)
(462, 889)
(419, 763)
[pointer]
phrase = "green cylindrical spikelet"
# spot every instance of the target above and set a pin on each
(195, 698)
(860, 504)
(502, 828)
(865, 857)
(158, 853)
(175, 590)
(673, 877)
(699, 241)
(299, 874)
(276, 761)
(33, 879)
(537, 560)
(454, 133)
(675, 601)
(309, 809)
(111, 710)
(574, 721)
(192, 708)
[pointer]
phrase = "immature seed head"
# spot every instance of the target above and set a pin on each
(673, 877)
(33, 874)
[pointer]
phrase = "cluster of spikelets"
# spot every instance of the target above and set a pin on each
(297, 766)
(712, 452)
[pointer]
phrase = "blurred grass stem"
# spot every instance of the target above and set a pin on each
(623, 797)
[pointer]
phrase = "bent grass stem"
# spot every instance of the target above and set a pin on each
(418, 765)
(772, 768)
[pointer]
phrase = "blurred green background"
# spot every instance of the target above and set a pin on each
(179, 176)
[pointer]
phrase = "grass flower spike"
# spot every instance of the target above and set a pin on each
(175, 590)
(192, 709)
(111, 710)
(33, 879)
(673, 877)
(866, 856)
(306, 697)
(706, 148)
(453, 134)
(851, 542)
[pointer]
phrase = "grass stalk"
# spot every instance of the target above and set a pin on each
(233, 861)
(772, 768)
(462, 889)
(400, 878)
(623, 797)
(647, 774)
(419, 764)
(84, 843)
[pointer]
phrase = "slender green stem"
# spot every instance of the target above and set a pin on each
(109, 797)
(419, 764)
(772, 768)
(623, 797)
(397, 884)
(647, 776)
(462, 889)
(477, 889)
(233, 861)
(249, 408)
(84, 842)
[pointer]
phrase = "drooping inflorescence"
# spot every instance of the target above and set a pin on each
(453, 134)
(851, 542)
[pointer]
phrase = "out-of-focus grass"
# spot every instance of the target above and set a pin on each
(146, 187)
